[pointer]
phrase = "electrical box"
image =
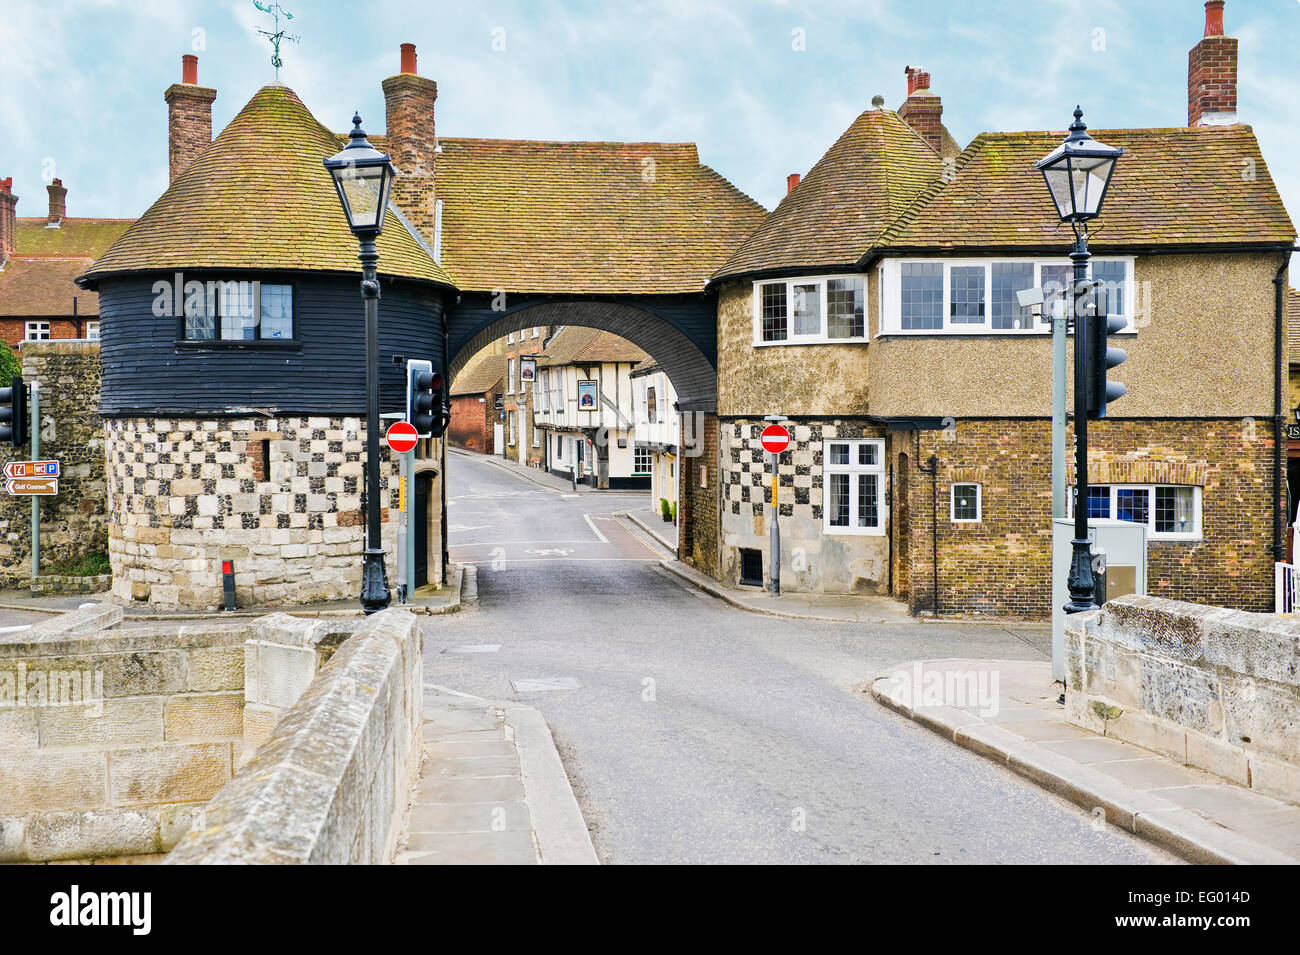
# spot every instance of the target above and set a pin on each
(1122, 544)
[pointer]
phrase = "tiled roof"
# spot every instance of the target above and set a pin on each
(866, 179)
(576, 345)
(258, 198)
(43, 285)
(585, 218)
(1172, 187)
(483, 373)
(1293, 323)
(90, 237)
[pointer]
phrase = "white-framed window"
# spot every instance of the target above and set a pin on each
(510, 339)
(512, 420)
(965, 505)
(853, 490)
(818, 309)
(641, 461)
(1169, 511)
(37, 332)
(510, 376)
(537, 436)
(536, 331)
(92, 331)
(964, 296)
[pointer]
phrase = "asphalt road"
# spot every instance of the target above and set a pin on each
(699, 733)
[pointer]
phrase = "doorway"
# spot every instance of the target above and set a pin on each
(423, 494)
(902, 533)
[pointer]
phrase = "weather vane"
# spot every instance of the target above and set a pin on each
(279, 36)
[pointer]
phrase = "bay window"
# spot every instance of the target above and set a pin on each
(978, 296)
(810, 310)
(853, 474)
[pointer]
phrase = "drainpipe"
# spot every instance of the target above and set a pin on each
(1279, 434)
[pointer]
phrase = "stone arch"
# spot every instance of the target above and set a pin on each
(688, 361)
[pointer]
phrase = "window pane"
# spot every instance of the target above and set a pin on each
(845, 309)
(966, 295)
(1175, 510)
(1098, 501)
(1110, 296)
(1056, 284)
(965, 502)
(1008, 279)
(867, 454)
(839, 454)
(837, 505)
(868, 500)
(922, 295)
(236, 305)
(277, 311)
(807, 310)
(1133, 504)
(772, 315)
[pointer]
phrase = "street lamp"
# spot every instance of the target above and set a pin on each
(363, 177)
(1077, 173)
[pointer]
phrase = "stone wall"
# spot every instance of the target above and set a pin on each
(1213, 688)
(111, 740)
(281, 498)
(698, 532)
(812, 560)
(75, 522)
(333, 781)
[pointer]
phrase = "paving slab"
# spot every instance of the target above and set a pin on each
(1200, 816)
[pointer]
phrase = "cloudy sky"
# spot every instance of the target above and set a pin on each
(763, 87)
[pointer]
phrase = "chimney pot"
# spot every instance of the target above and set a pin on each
(1214, 18)
(791, 181)
(190, 69)
(922, 110)
(58, 202)
(408, 58)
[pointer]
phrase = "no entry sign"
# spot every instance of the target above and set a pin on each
(775, 438)
(401, 437)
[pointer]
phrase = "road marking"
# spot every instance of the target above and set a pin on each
(570, 495)
(585, 540)
(539, 560)
(551, 551)
(26, 626)
(475, 648)
(594, 529)
(543, 684)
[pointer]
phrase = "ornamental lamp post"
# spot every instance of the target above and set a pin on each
(1077, 173)
(363, 177)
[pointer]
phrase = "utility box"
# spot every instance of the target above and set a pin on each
(1125, 550)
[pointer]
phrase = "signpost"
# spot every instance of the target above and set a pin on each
(402, 438)
(775, 439)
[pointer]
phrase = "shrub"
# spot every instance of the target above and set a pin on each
(663, 507)
(10, 366)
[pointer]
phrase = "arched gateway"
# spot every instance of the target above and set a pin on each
(232, 333)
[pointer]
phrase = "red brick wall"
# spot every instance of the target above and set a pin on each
(1002, 565)
(14, 330)
(1211, 78)
(471, 423)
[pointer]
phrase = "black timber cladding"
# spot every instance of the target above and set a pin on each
(322, 371)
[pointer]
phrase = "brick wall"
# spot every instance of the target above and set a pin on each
(75, 522)
(1002, 565)
(1211, 78)
(189, 124)
(14, 330)
(472, 420)
(697, 509)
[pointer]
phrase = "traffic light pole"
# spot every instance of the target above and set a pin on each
(1081, 581)
(774, 541)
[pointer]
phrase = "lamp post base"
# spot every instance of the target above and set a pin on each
(375, 594)
(1081, 582)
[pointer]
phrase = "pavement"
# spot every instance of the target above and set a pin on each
(1007, 711)
(693, 732)
(492, 789)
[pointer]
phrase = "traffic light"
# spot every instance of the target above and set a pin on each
(13, 413)
(425, 399)
(1101, 359)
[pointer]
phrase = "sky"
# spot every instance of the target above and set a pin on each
(763, 87)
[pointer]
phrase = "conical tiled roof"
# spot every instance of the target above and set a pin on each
(259, 198)
(863, 182)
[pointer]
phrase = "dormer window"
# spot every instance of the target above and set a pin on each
(803, 311)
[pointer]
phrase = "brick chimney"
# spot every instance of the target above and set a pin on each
(791, 181)
(408, 110)
(1212, 74)
(8, 219)
(58, 203)
(189, 117)
(922, 110)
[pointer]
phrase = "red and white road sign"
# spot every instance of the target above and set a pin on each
(775, 438)
(402, 436)
(36, 469)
